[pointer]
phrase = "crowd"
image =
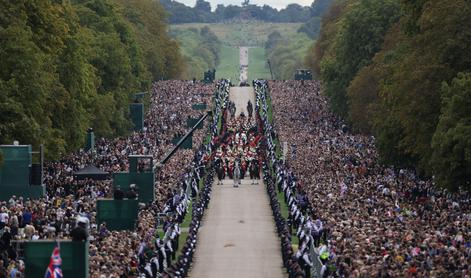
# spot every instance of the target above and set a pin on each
(292, 263)
(152, 257)
(68, 201)
(363, 218)
(366, 219)
(181, 267)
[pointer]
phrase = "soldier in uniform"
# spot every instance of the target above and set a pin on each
(250, 108)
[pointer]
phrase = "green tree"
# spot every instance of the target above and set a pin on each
(32, 35)
(451, 143)
(360, 37)
(319, 7)
(147, 19)
(273, 39)
(286, 54)
(429, 57)
(394, 82)
(312, 27)
(66, 66)
(323, 47)
(203, 6)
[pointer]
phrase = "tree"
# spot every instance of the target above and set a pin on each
(428, 58)
(201, 48)
(147, 20)
(273, 39)
(410, 87)
(319, 7)
(294, 13)
(67, 66)
(360, 38)
(286, 54)
(269, 14)
(451, 143)
(323, 47)
(311, 28)
(203, 6)
(219, 12)
(31, 37)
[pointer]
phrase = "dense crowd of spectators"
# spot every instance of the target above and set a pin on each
(201, 171)
(268, 154)
(68, 201)
(366, 219)
(375, 220)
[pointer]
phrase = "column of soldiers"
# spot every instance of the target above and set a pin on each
(307, 232)
(289, 260)
(181, 267)
(165, 248)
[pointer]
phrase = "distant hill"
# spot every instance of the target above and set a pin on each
(279, 42)
(292, 30)
(240, 33)
(309, 16)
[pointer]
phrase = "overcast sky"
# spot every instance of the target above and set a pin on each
(279, 4)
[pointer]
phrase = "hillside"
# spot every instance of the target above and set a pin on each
(246, 33)
(286, 49)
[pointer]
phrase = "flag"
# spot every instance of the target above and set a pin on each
(54, 269)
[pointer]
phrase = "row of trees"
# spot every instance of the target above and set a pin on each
(313, 25)
(286, 53)
(69, 65)
(201, 12)
(401, 70)
(201, 50)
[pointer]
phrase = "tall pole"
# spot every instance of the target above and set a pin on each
(174, 149)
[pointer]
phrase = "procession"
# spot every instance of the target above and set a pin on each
(189, 138)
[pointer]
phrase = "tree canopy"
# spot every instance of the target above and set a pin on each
(400, 71)
(201, 12)
(67, 66)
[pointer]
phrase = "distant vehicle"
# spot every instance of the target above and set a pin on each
(303, 74)
(209, 76)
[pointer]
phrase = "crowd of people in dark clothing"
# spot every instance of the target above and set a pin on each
(202, 169)
(366, 219)
(70, 204)
(351, 215)
(296, 266)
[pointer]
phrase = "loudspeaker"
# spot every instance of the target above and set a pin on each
(35, 175)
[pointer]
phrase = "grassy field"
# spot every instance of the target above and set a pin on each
(285, 57)
(250, 33)
(289, 55)
(258, 67)
(195, 52)
(229, 65)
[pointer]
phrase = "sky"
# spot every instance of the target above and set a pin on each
(278, 4)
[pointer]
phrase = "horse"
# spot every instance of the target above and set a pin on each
(220, 171)
(254, 171)
(236, 174)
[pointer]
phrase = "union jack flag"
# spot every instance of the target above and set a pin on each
(54, 269)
